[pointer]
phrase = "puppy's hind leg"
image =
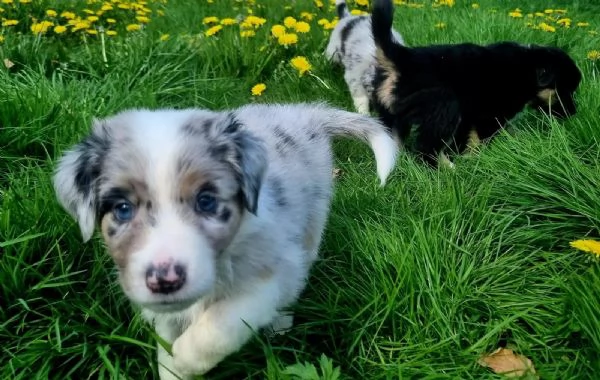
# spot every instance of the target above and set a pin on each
(359, 94)
(439, 121)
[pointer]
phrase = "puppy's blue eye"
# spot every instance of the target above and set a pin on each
(206, 203)
(123, 211)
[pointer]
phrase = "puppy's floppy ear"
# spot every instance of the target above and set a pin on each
(249, 160)
(545, 76)
(76, 178)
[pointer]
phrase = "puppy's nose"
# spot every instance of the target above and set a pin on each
(165, 277)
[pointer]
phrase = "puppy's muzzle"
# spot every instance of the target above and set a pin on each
(165, 277)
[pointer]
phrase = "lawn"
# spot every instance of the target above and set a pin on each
(417, 279)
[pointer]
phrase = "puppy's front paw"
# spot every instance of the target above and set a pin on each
(192, 355)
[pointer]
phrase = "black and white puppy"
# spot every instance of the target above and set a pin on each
(459, 94)
(351, 45)
(213, 219)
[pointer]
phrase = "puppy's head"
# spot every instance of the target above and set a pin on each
(169, 190)
(557, 79)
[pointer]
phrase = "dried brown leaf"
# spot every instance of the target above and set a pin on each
(505, 361)
(337, 172)
(8, 63)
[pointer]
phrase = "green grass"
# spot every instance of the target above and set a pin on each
(417, 279)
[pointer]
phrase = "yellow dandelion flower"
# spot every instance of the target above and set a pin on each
(7, 1)
(111, 32)
(143, 19)
(301, 64)
(160, 12)
(255, 21)
(68, 15)
(591, 246)
(515, 14)
(323, 21)
(547, 28)
(594, 55)
(475, 6)
(247, 33)
(358, 12)
(302, 27)
(164, 37)
(58, 29)
(287, 39)
(213, 30)
(79, 25)
(307, 16)
(133, 27)
(318, 4)
(228, 21)
(331, 25)
(210, 20)
(566, 22)
(107, 7)
(92, 18)
(124, 6)
(91, 31)
(51, 13)
(258, 89)
(10, 22)
(89, 11)
(562, 11)
(362, 3)
(111, 20)
(447, 3)
(41, 27)
(25, 1)
(583, 24)
(1, 39)
(289, 22)
(277, 30)
(549, 11)
(440, 25)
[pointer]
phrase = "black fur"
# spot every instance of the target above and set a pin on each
(447, 91)
(93, 150)
(342, 10)
(277, 189)
(345, 32)
(250, 162)
(285, 141)
(225, 215)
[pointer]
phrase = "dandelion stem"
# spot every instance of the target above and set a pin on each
(320, 80)
(102, 42)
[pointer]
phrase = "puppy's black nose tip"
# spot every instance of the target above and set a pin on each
(165, 278)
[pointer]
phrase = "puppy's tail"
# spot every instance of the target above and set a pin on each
(341, 9)
(388, 50)
(369, 130)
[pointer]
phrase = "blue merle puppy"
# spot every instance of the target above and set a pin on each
(213, 219)
(351, 45)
